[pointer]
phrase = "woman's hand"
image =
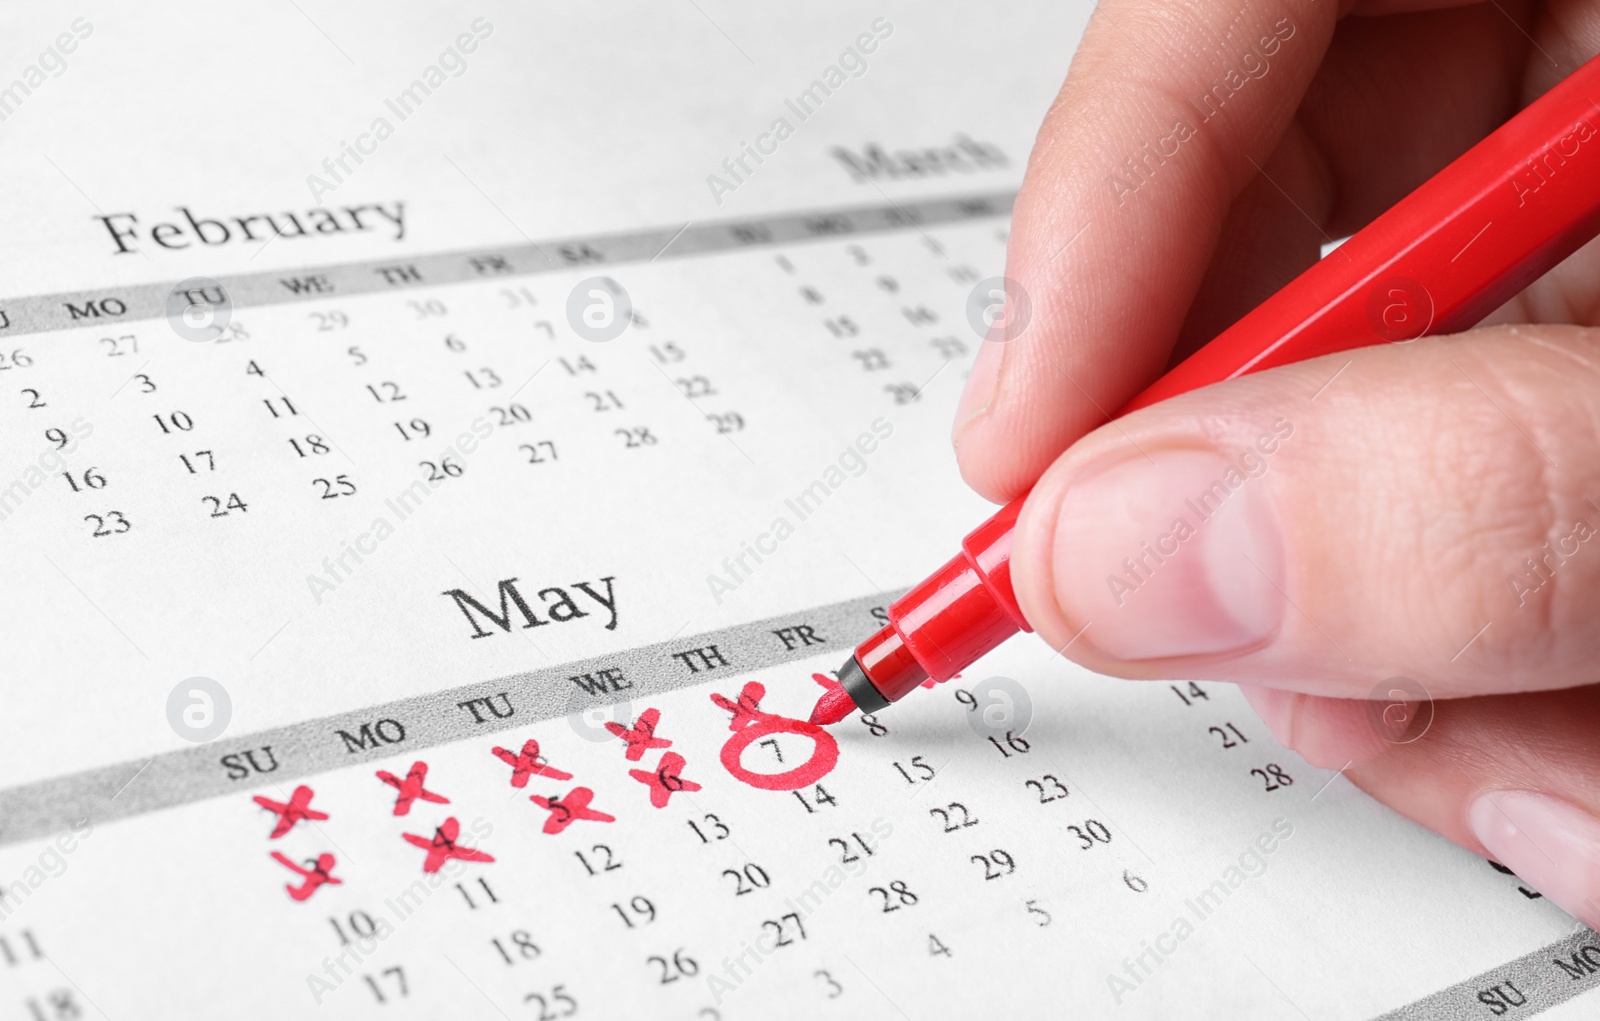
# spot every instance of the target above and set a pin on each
(1402, 524)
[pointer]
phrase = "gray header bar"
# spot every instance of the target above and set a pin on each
(236, 764)
(47, 312)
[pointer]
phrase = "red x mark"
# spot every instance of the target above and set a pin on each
(665, 781)
(641, 737)
(747, 710)
(320, 872)
(289, 812)
(443, 846)
(528, 762)
(569, 808)
(411, 788)
(751, 724)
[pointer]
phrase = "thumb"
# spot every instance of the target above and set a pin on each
(1425, 510)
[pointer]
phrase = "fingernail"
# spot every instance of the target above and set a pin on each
(982, 380)
(1276, 709)
(1551, 844)
(1176, 554)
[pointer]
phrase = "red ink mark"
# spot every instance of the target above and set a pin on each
(665, 781)
(828, 683)
(569, 808)
(528, 762)
(411, 788)
(641, 737)
(321, 871)
(746, 709)
(930, 682)
(443, 846)
(289, 812)
(750, 724)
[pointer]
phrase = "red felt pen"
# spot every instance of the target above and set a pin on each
(1448, 254)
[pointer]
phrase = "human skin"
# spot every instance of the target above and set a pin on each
(1433, 512)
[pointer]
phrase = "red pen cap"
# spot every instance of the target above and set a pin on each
(963, 610)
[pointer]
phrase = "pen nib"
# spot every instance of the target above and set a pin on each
(834, 705)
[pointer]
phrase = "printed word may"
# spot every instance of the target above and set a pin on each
(556, 601)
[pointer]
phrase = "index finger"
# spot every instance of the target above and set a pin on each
(1125, 195)
(1194, 161)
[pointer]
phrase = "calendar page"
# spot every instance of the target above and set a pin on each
(447, 452)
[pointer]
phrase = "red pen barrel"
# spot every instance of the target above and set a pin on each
(1457, 248)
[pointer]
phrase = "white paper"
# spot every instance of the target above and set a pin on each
(737, 466)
